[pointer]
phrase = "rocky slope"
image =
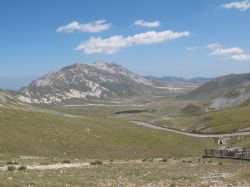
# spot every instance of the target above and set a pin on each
(224, 92)
(9, 100)
(86, 81)
(234, 98)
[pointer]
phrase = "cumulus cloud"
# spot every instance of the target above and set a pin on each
(216, 49)
(233, 53)
(144, 23)
(99, 45)
(240, 5)
(97, 26)
(227, 51)
(241, 57)
(114, 43)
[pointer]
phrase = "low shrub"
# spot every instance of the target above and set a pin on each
(148, 160)
(96, 162)
(66, 161)
(21, 168)
(164, 160)
(12, 163)
(11, 168)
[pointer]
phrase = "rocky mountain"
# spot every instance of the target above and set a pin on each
(86, 81)
(224, 92)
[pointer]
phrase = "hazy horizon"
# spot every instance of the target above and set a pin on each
(19, 81)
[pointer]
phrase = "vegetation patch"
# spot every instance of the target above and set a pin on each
(192, 109)
(96, 162)
(133, 111)
(22, 168)
(11, 168)
(12, 163)
(66, 161)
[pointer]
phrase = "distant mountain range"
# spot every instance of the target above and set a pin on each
(86, 81)
(225, 92)
(170, 79)
(104, 80)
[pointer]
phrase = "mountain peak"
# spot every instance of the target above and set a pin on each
(101, 63)
(70, 67)
(110, 67)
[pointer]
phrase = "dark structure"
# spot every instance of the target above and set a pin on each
(235, 153)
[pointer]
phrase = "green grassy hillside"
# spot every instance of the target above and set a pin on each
(41, 134)
(230, 120)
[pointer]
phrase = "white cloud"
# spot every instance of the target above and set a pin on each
(241, 57)
(143, 23)
(99, 45)
(241, 5)
(213, 45)
(114, 43)
(227, 51)
(97, 26)
(233, 53)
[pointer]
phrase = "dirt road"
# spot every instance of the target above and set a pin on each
(156, 127)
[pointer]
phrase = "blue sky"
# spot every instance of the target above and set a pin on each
(151, 37)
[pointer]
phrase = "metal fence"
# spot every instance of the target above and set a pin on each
(242, 153)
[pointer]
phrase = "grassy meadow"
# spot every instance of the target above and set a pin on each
(41, 134)
(118, 153)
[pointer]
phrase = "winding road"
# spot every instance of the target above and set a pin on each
(156, 127)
